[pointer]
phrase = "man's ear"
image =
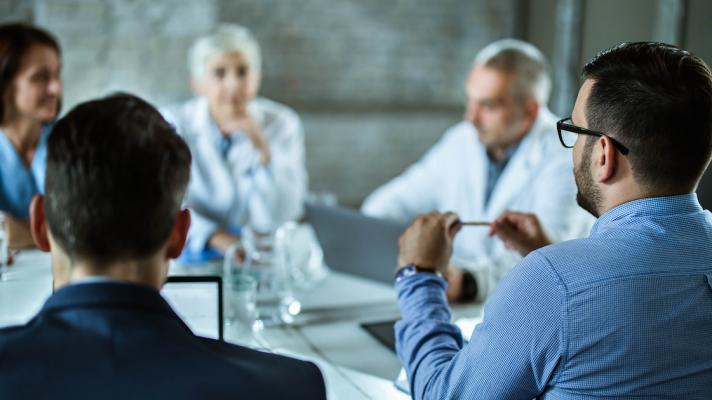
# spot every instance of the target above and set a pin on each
(605, 161)
(531, 111)
(38, 223)
(531, 108)
(179, 235)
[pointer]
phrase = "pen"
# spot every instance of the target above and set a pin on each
(473, 223)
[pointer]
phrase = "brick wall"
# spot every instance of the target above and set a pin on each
(376, 82)
(129, 45)
(370, 52)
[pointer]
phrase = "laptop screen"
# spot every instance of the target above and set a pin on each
(198, 302)
(355, 243)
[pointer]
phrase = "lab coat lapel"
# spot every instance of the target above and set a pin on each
(214, 168)
(476, 178)
(469, 184)
(516, 177)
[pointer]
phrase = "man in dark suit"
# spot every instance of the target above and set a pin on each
(112, 218)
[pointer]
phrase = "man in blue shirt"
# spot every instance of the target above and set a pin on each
(626, 312)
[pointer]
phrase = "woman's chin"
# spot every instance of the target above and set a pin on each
(232, 107)
(48, 116)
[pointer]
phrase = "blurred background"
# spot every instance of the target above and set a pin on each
(376, 82)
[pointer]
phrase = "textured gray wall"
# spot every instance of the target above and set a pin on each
(370, 53)
(376, 82)
(130, 45)
(13, 10)
(350, 153)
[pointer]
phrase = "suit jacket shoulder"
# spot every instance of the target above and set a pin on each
(276, 372)
(123, 341)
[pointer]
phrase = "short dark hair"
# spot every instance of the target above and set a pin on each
(657, 100)
(116, 176)
(16, 39)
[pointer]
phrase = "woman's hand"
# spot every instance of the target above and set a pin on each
(247, 124)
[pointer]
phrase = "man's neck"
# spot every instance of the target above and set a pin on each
(501, 153)
(624, 195)
(151, 272)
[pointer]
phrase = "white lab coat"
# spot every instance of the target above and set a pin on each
(452, 176)
(235, 190)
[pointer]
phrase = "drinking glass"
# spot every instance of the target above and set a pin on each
(240, 294)
(263, 259)
(303, 255)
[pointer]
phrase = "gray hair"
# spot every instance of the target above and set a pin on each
(526, 62)
(225, 38)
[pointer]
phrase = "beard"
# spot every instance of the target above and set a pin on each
(588, 196)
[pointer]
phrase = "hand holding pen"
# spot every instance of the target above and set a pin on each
(521, 232)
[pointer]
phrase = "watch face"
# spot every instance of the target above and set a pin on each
(408, 270)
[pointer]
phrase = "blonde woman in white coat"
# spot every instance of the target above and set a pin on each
(248, 151)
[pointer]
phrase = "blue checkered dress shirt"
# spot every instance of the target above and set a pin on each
(624, 313)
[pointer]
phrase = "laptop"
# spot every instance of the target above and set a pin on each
(198, 301)
(356, 244)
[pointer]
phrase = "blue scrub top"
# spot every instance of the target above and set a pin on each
(18, 182)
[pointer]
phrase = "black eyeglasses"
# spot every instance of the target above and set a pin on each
(568, 131)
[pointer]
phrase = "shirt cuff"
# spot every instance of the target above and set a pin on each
(423, 296)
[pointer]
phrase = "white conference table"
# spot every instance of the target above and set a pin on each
(328, 332)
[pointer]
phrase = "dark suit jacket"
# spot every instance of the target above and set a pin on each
(122, 341)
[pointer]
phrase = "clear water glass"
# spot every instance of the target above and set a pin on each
(240, 300)
(264, 259)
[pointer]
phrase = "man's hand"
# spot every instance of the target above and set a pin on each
(521, 232)
(427, 243)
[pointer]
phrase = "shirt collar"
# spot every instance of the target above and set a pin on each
(507, 155)
(96, 279)
(105, 293)
(650, 206)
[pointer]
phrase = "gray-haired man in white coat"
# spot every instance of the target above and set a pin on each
(503, 156)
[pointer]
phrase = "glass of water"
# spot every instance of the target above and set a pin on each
(240, 300)
(264, 261)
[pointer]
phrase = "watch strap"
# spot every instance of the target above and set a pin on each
(412, 269)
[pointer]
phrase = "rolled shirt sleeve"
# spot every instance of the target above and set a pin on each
(513, 353)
